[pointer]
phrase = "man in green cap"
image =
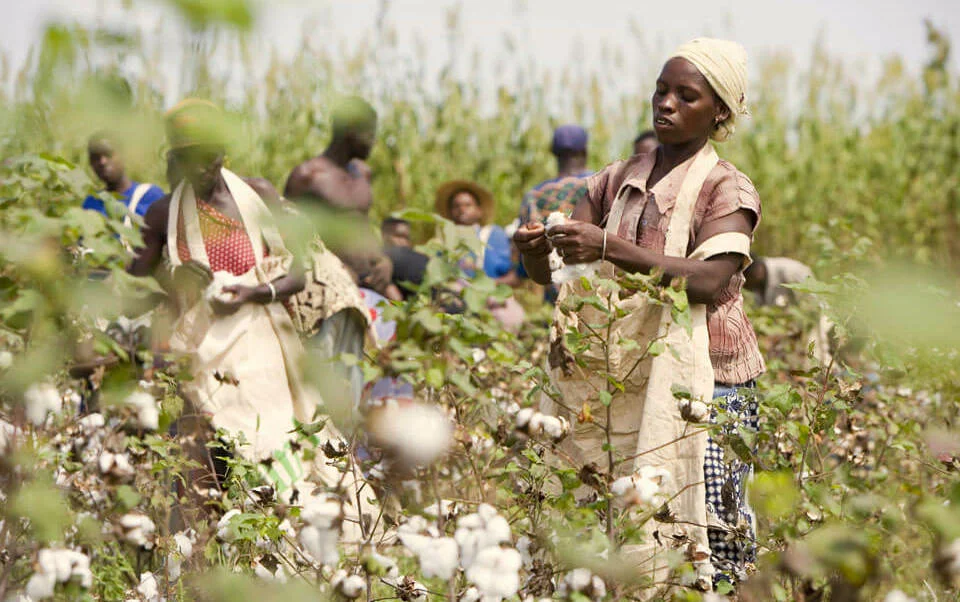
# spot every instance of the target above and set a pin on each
(332, 310)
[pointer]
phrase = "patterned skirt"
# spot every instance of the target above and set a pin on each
(731, 531)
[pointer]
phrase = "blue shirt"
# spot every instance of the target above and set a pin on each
(498, 256)
(153, 194)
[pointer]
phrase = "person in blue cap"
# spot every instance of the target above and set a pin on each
(563, 192)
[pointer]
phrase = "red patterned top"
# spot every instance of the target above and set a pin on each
(225, 239)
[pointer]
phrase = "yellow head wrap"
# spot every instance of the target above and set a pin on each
(724, 65)
(196, 122)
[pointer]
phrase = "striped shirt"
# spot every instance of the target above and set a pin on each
(734, 352)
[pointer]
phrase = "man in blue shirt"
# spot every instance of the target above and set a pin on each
(107, 164)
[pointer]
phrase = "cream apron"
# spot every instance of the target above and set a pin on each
(646, 415)
(256, 347)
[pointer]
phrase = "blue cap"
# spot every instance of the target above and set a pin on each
(569, 138)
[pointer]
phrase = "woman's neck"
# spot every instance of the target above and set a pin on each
(670, 156)
(210, 192)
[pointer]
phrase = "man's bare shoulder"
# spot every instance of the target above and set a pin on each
(304, 177)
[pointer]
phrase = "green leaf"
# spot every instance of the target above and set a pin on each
(127, 497)
(434, 378)
(605, 398)
(783, 397)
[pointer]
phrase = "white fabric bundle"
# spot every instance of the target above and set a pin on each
(559, 271)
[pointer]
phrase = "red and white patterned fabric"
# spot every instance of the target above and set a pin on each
(228, 246)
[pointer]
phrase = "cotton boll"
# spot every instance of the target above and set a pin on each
(116, 465)
(8, 435)
(40, 399)
(92, 422)
(378, 565)
(556, 218)
(574, 272)
(224, 532)
(58, 566)
(523, 417)
(643, 487)
(478, 531)
(348, 586)
(148, 415)
(897, 596)
(472, 594)
(278, 575)
(416, 434)
(582, 581)
(6, 359)
(322, 511)
(137, 529)
(495, 572)
(220, 280)
(148, 588)
(321, 544)
(694, 410)
(41, 586)
(440, 558)
(183, 546)
(555, 427)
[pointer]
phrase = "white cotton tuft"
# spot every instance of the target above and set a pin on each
(39, 400)
(495, 572)
(220, 280)
(643, 487)
(417, 433)
(560, 272)
(148, 415)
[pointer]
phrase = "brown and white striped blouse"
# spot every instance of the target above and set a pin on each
(734, 352)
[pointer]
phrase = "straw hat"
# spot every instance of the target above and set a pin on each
(447, 190)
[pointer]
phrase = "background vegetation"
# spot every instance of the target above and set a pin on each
(856, 491)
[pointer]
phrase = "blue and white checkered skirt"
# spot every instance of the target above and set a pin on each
(731, 523)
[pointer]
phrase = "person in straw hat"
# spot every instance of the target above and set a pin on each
(685, 213)
(231, 274)
(470, 205)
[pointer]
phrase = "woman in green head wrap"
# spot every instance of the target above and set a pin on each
(217, 234)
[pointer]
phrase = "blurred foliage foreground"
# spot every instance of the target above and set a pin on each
(856, 484)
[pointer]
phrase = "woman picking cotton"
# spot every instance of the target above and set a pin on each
(470, 205)
(685, 213)
(231, 273)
